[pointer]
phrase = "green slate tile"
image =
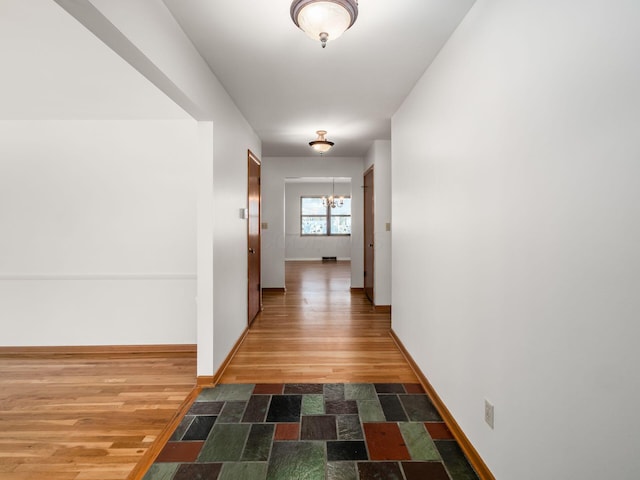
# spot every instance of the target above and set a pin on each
(225, 442)
(370, 411)
(259, 443)
(297, 460)
(232, 412)
(249, 452)
(312, 405)
(225, 392)
(243, 470)
(418, 441)
(256, 410)
(334, 391)
(342, 471)
(455, 461)
(349, 427)
(161, 471)
(359, 391)
(419, 408)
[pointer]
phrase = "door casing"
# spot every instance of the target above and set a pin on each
(369, 250)
(254, 290)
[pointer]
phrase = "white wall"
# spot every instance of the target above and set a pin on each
(274, 172)
(204, 248)
(146, 34)
(379, 157)
(516, 233)
(298, 247)
(98, 228)
(232, 137)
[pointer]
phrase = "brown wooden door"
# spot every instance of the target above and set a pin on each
(369, 215)
(253, 238)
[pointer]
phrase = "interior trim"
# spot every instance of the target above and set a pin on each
(218, 375)
(163, 437)
(316, 259)
(469, 450)
(204, 381)
(98, 276)
(98, 349)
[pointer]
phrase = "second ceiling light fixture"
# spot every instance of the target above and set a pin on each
(324, 20)
(321, 144)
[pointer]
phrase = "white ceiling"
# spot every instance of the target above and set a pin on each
(284, 83)
(288, 86)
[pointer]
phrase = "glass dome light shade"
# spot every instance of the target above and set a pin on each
(321, 144)
(330, 17)
(321, 147)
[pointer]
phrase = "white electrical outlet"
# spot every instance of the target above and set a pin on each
(488, 413)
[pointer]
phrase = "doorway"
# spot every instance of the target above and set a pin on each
(369, 250)
(316, 230)
(254, 293)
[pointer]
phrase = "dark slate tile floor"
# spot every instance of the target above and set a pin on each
(312, 432)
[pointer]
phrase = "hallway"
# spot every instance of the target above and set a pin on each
(317, 390)
(104, 415)
(319, 331)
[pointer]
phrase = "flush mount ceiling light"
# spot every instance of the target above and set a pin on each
(324, 20)
(321, 144)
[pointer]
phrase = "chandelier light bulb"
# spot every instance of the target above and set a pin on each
(332, 201)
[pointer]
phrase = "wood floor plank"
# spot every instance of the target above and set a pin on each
(86, 416)
(82, 416)
(319, 330)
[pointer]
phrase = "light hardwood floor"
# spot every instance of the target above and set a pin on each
(86, 417)
(318, 331)
(93, 417)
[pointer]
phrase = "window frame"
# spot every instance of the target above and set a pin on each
(327, 216)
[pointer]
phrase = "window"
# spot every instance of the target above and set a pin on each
(316, 219)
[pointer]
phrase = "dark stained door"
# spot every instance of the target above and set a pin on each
(253, 237)
(368, 234)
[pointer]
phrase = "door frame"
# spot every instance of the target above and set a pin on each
(369, 248)
(252, 159)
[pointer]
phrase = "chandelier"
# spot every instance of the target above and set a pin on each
(321, 144)
(324, 20)
(332, 201)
